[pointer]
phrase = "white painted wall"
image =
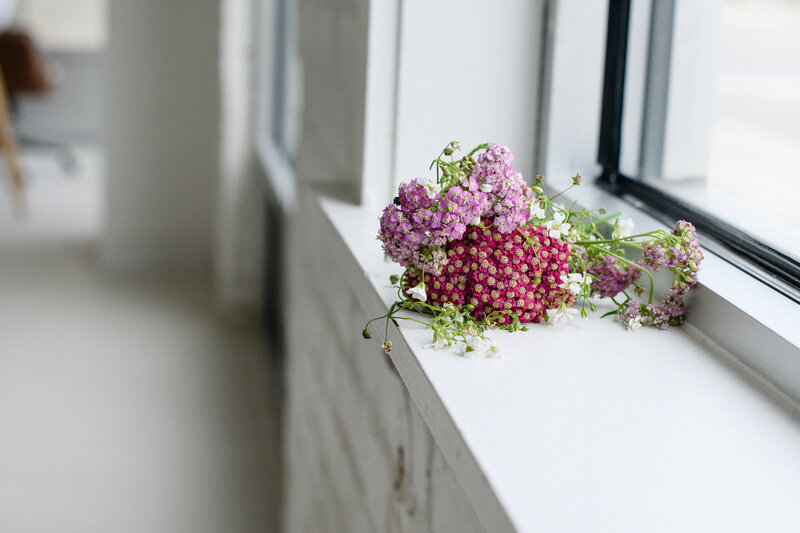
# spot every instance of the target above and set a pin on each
(332, 42)
(468, 72)
(239, 218)
(163, 113)
(76, 25)
(575, 90)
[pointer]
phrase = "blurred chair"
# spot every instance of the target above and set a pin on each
(25, 72)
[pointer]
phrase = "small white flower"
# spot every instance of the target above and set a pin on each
(475, 220)
(624, 229)
(536, 210)
(560, 313)
(432, 189)
(485, 187)
(493, 350)
(573, 282)
(477, 346)
(573, 235)
(557, 226)
(634, 323)
(438, 343)
(418, 292)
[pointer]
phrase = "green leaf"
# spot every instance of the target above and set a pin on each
(614, 312)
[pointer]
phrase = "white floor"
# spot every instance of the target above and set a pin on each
(124, 405)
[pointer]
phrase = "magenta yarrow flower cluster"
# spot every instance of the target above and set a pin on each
(503, 276)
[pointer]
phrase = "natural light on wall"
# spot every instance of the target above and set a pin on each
(65, 24)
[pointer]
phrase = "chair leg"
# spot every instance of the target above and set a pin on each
(8, 145)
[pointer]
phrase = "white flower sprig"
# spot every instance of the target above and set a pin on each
(418, 292)
(557, 227)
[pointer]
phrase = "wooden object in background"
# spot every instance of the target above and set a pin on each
(8, 145)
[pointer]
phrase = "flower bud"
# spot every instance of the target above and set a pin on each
(576, 179)
(393, 279)
(366, 333)
(448, 151)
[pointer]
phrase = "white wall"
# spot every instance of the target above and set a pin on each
(239, 224)
(163, 113)
(77, 25)
(468, 72)
(332, 43)
(574, 90)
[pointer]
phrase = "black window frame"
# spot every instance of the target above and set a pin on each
(770, 266)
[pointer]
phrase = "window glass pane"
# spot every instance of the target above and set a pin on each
(278, 132)
(721, 120)
(755, 139)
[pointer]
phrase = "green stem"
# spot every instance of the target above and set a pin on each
(559, 194)
(620, 241)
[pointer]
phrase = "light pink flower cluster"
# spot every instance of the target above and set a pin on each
(683, 257)
(509, 198)
(493, 271)
(670, 312)
(415, 227)
(610, 276)
(422, 220)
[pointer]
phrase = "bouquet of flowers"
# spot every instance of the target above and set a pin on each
(482, 250)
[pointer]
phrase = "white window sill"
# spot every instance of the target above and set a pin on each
(754, 323)
(587, 427)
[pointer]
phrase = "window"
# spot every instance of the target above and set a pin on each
(278, 95)
(718, 136)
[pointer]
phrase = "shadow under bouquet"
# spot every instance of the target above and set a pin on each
(482, 249)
